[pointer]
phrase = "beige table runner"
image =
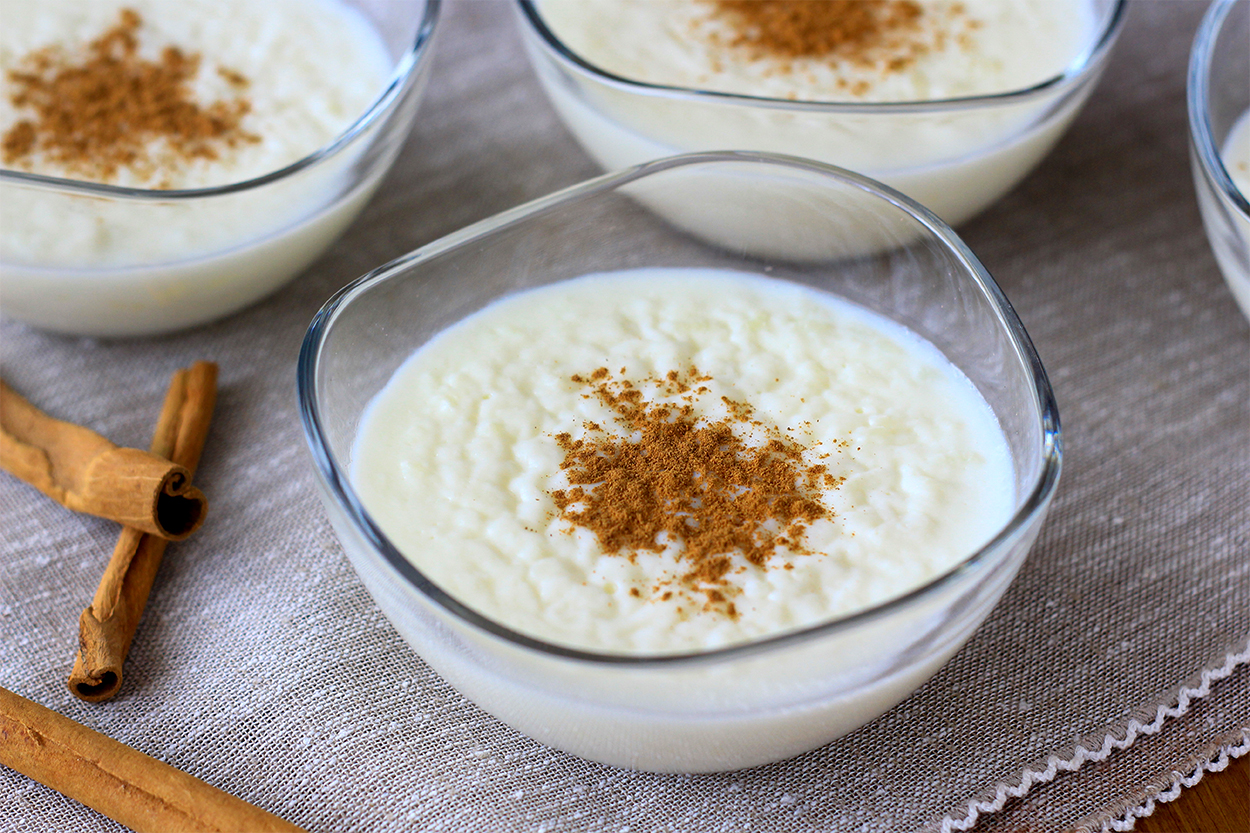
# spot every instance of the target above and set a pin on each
(263, 667)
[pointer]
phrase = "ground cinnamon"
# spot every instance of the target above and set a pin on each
(108, 109)
(818, 28)
(673, 475)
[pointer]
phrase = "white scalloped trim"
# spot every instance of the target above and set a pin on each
(1134, 728)
(1129, 820)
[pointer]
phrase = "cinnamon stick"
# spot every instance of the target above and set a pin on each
(83, 471)
(106, 628)
(122, 783)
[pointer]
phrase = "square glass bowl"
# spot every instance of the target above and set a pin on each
(954, 156)
(100, 260)
(1219, 97)
(730, 707)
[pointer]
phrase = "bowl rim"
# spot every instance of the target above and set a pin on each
(336, 482)
(1198, 100)
(1081, 65)
(400, 78)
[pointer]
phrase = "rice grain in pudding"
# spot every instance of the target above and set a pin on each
(469, 460)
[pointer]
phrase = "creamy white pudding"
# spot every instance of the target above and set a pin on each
(945, 50)
(1236, 154)
(295, 73)
(954, 159)
(463, 459)
(1233, 259)
(305, 68)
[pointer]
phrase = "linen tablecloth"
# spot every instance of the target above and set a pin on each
(1113, 671)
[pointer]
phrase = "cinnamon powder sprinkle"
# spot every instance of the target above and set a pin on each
(818, 28)
(109, 109)
(671, 475)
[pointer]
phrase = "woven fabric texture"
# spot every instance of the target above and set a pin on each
(1113, 668)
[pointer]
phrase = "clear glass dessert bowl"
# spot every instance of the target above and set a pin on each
(1219, 96)
(100, 260)
(955, 156)
(730, 707)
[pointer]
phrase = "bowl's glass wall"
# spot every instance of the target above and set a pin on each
(741, 706)
(1219, 95)
(95, 260)
(953, 159)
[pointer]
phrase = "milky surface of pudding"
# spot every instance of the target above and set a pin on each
(671, 460)
(301, 70)
(921, 51)
(1231, 255)
(177, 94)
(1236, 154)
(955, 159)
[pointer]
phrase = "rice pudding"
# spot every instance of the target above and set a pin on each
(919, 51)
(775, 97)
(1233, 259)
(1236, 154)
(184, 95)
(482, 460)
(262, 58)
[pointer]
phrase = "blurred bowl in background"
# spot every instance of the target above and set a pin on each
(954, 156)
(102, 260)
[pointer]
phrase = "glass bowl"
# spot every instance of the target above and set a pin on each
(955, 156)
(100, 260)
(730, 707)
(1219, 100)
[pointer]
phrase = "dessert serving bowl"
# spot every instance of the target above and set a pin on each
(1218, 97)
(955, 156)
(729, 707)
(103, 260)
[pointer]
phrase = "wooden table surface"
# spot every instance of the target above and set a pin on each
(1219, 803)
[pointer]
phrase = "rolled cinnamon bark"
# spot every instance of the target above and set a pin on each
(107, 627)
(116, 780)
(83, 471)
